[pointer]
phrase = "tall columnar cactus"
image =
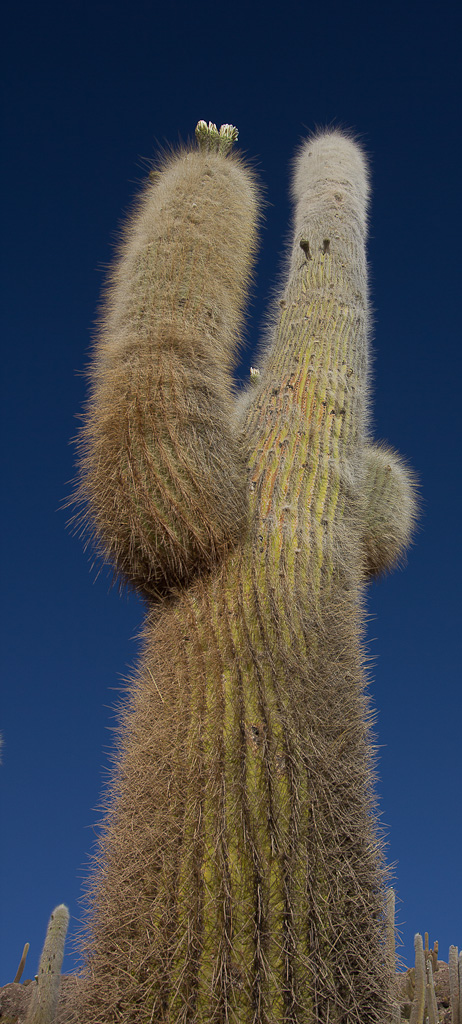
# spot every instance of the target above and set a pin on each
(44, 1000)
(455, 983)
(240, 872)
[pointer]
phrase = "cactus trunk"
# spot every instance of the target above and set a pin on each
(243, 882)
(240, 873)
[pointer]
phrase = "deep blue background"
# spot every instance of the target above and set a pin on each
(91, 89)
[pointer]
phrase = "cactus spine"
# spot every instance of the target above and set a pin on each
(44, 1000)
(240, 873)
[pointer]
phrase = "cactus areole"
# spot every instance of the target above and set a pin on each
(240, 873)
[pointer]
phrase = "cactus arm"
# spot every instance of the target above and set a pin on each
(44, 1000)
(307, 417)
(162, 468)
(390, 508)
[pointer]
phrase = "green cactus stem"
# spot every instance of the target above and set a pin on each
(240, 874)
(44, 999)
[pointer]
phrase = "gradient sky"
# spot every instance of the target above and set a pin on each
(92, 90)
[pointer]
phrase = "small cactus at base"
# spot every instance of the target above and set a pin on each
(45, 995)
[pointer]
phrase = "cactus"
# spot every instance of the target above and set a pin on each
(432, 1008)
(22, 964)
(420, 987)
(391, 929)
(455, 984)
(44, 999)
(240, 873)
(418, 1004)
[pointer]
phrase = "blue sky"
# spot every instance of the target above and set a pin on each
(92, 88)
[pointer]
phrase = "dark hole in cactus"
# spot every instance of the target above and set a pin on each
(256, 735)
(326, 245)
(305, 245)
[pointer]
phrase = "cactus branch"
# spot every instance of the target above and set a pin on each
(390, 508)
(162, 467)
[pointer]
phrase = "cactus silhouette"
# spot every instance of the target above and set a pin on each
(240, 873)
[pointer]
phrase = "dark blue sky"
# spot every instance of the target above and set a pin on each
(91, 88)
